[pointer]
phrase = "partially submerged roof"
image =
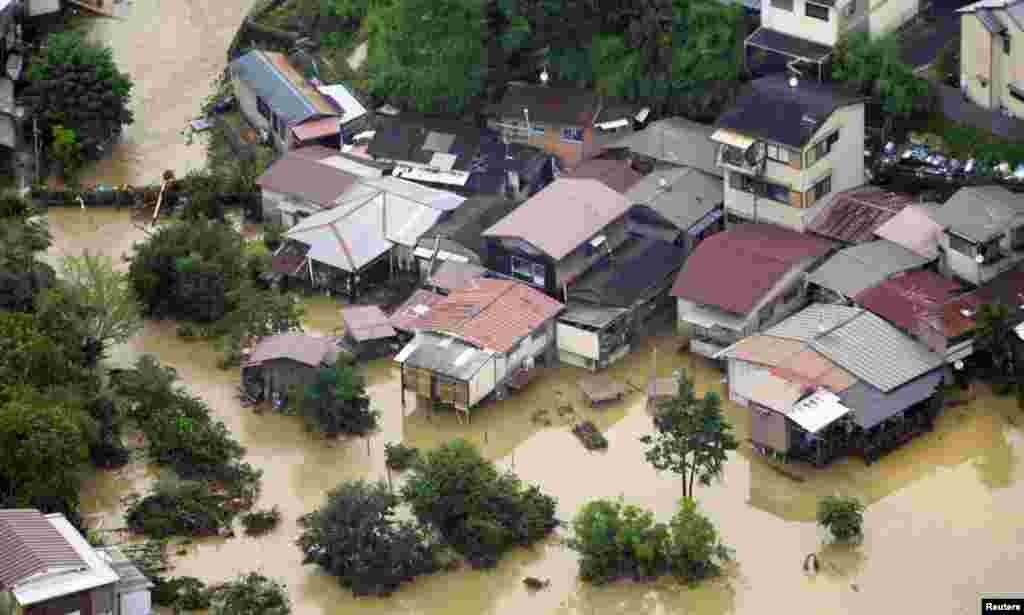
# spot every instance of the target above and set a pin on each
(853, 216)
(637, 269)
(912, 298)
(308, 179)
(559, 218)
(414, 314)
(30, 545)
(980, 213)
(616, 174)
(861, 343)
(366, 322)
(305, 349)
(680, 195)
(277, 82)
(548, 104)
(677, 141)
(756, 257)
(772, 110)
(445, 355)
(852, 270)
(914, 229)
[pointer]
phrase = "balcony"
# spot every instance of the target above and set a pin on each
(734, 158)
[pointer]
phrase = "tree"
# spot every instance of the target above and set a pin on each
(873, 66)
(694, 547)
(995, 335)
(841, 515)
(251, 594)
(75, 83)
(68, 152)
(692, 438)
(355, 537)
(107, 296)
(22, 276)
(425, 53)
(337, 402)
(480, 511)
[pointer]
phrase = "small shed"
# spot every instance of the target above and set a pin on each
(598, 390)
(280, 362)
(368, 333)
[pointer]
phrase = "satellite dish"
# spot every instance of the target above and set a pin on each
(756, 153)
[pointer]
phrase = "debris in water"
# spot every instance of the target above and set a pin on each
(854, 587)
(590, 436)
(535, 583)
(811, 561)
(541, 417)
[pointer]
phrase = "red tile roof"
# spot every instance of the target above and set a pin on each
(616, 174)
(733, 270)
(853, 216)
(494, 314)
(413, 314)
(366, 322)
(29, 544)
(911, 297)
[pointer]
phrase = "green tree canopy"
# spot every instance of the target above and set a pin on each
(113, 314)
(337, 402)
(873, 66)
(996, 336)
(841, 515)
(250, 594)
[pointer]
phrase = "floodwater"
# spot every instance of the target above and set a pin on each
(943, 523)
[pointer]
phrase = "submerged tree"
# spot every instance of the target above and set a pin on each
(106, 294)
(250, 594)
(692, 438)
(337, 402)
(841, 515)
(996, 336)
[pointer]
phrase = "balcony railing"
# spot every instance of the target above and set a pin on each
(734, 157)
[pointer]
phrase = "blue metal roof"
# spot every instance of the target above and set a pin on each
(269, 84)
(872, 406)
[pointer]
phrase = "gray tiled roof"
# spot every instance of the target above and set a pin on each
(691, 194)
(861, 343)
(677, 141)
(980, 212)
(857, 268)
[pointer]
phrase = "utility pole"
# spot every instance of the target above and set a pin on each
(35, 130)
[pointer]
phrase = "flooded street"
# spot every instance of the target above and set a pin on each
(943, 522)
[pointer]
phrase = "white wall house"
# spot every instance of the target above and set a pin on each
(984, 233)
(992, 54)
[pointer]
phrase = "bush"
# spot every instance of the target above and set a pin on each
(590, 436)
(273, 236)
(695, 549)
(188, 509)
(260, 522)
(251, 594)
(181, 593)
(337, 403)
(841, 515)
(335, 537)
(479, 511)
(399, 457)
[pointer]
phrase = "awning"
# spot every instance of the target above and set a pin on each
(317, 129)
(729, 137)
(796, 48)
(817, 411)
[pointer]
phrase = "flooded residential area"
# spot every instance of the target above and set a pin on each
(942, 523)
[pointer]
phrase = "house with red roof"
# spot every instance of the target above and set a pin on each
(475, 340)
(741, 280)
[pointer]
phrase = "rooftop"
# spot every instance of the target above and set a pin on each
(676, 141)
(857, 268)
(616, 174)
(451, 275)
(308, 179)
(914, 229)
(276, 81)
(980, 213)
(466, 224)
(911, 298)
(637, 269)
(853, 216)
(444, 355)
(444, 143)
(305, 349)
(414, 314)
(680, 195)
(30, 545)
(366, 322)
(548, 104)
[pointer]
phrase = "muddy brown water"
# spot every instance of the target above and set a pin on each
(943, 522)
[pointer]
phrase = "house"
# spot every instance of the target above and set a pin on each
(852, 270)
(457, 234)
(856, 214)
(915, 229)
(372, 230)
(368, 333)
(787, 148)
(805, 31)
(680, 204)
(472, 342)
(673, 141)
(275, 98)
(47, 566)
(414, 314)
(557, 234)
(742, 280)
(616, 300)
(984, 232)
(295, 187)
(450, 275)
(992, 54)
(42, 7)
(281, 363)
(616, 174)
(832, 380)
(572, 124)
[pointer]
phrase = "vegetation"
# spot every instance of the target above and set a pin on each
(355, 537)
(68, 152)
(617, 540)
(873, 66)
(995, 335)
(261, 522)
(250, 594)
(181, 594)
(273, 236)
(963, 142)
(107, 449)
(186, 509)
(692, 437)
(841, 515)
(74, 83)
(337, 403)
(480, 512)
(93, 283)
(400, 457)
(590, 436)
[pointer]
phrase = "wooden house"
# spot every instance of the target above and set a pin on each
(368, 334)
(285, 362)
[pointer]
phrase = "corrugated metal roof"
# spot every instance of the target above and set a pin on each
(273, 80)
(764, 349)
(687, 197)
(776, 393)
(638, 269)
(343, 98)
(415, 312)
(811, 368)
(307, 179)
(548, 104)
(616, 174)
(873, 406)
(817, 411)
(441, 200)
(853, 216)
(447, 356)
(914, 229)
(348, 237)
(130, 579)
(304, 349)
(590, 315)
(677, 141)
(857, 268)
(29, 544)
(451, 275)
(366, 322)
(980, 212)
(562, 216)
(909, 298)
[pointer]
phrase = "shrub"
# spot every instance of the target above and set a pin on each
(251, 594)
(273, 236)
(695, 549)
(260, 522)
(335, 537)
(590, 436)
(337, 403)
(181, 593)
(398, 456)
(480, 511)
(843, 516)
(188, 509)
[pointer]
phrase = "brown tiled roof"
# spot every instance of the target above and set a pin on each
(494, 314)
(907, 298)
(733, 270)
(366, 322)
(308, 179)
(616, 174)
(853, 216)
(29, 544)
(415, 312)
(304, 349)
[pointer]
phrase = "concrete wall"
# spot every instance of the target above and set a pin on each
(982, 57)
(965, 267)
(797, 23)
(578, 341)
(887, 15)
(976, 60)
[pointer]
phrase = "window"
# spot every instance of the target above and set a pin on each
(960, 245)
(784, 5)
(816, 11)
(572, 134)
(822, 188)
(822, 148)
(778, 153)
(774, 192)
(262, 107)
(527, 270)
